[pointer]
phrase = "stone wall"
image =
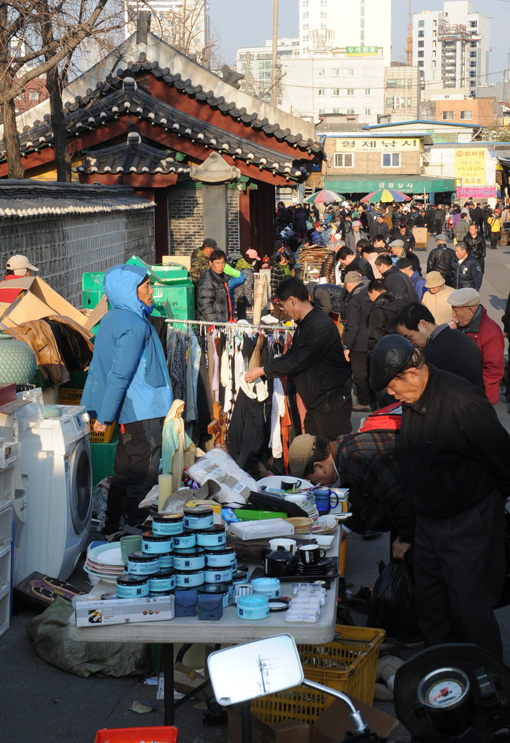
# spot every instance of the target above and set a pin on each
(64, 248)
(186, 220)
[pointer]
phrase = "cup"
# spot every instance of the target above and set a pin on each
(323, 497)
(290, 484)
(298, 500)
(311, 554)
(131, 543)
(288, 544)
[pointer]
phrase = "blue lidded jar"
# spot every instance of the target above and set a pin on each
(192, 561)
(215, 537)
(166, 561)
(218, 575)
(252, 607)
(185, 541)
(142, 564)
(268, 587)
(189, 578)
(240, 576)
(156, 544)
(200, 517)
(221, 558)
(132, 586)
(168, 524)
(162, 582)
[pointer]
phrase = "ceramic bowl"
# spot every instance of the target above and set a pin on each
(301, 524)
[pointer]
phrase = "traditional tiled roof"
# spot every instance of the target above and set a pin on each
(132, 157)
(29, 199)
(130, 99)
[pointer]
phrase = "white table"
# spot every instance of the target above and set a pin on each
(228, 630)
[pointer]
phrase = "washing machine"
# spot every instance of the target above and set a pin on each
(56, 471)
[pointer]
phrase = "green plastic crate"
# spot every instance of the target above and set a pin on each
(162, 272)
(103, 458)
(176, 300)
(92, 289)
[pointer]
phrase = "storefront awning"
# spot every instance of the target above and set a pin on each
(407, 184)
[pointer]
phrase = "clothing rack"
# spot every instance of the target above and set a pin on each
(233, 325)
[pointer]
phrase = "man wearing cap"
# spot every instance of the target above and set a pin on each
(435, 298)
(355, 235)
(454, 463)
(472, 319)
(406, 266)
(316, 362)
(17, 267)
(398, 250)
(317, 237)
(128, 382)
(445, 348)
(200, 259)
(440, 258)
(475, 245)
(379, 227)
(355, 337)
(395, 281)
(465, 271)
(367, 464)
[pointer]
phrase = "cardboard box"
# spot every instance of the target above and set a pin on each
(287, 731)
(96, 612)
(40, 300)
(186, 680)
(335, 721)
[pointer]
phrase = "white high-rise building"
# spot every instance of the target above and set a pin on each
(331, 24)
(451, 47)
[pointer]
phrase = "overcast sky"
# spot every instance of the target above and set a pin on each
(250, 22)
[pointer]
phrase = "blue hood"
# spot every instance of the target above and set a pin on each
(120, 285)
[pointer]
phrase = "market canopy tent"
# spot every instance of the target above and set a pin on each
(324, 196)
(385, 195)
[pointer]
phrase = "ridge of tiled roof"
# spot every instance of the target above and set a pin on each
(133, 99)
(136, 157)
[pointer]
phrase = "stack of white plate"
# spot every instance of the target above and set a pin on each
(104, 562)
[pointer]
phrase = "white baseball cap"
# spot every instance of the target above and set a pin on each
(19, 264)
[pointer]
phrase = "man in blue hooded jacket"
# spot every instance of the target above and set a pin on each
(128, 382)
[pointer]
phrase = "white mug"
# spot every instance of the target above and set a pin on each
(289, 544)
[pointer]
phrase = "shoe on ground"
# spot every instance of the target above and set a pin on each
(361, 408)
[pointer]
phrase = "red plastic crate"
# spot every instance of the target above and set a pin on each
(166, 734)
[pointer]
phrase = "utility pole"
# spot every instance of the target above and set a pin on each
(274, 69)
(409, 45)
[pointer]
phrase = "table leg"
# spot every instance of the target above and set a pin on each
(246, 722)
(167, 650)
(343, 542)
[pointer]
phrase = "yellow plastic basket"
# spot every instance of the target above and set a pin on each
(348, 664)
(68, 396)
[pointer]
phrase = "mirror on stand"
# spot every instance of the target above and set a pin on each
(253, 670)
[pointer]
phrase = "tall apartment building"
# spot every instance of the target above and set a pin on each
(451, 47)
(255, 63)
(182, 23)
(401, 92)
(330, 24)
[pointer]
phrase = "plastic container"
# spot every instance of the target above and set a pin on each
(168, 525)
(221, 558)
(132, 586)
(189, 578)
(252, 607)
(166, 561)
(347, 664)
(141, 564)
(268, 587)
(218, 575)
(185, 541)
(198, 518)
(103, 458)
(167, 734)
(215, 537)
(163, 582)
(156, 544)
(192, 561)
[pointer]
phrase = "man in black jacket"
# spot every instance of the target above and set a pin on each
(465, 271)
(379, 227)
(355, 338)
(476, 245)
(351, 262)
(395, 281)
(447, 349)
(330, 298)
(316, 361)
(383, 312)
(454, 462)
(213, 298)
(440, 258)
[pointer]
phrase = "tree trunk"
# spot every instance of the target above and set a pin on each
(11, 141)
(62, 154)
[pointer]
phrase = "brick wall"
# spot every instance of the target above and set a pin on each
(233, 221)
(186, 220)
(63, 248)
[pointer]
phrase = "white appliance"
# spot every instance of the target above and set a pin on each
(56, 472)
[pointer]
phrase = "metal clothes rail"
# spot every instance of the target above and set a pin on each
(233, 325)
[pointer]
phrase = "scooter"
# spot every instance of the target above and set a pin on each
(446, 693)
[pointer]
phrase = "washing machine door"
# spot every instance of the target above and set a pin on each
(80, 487)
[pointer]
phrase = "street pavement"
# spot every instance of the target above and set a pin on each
(42, 704)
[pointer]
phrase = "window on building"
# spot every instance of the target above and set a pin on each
(367, 112)
(33, 95)
(472, 64)
(410, 83)
(409, 102)
(367, 91)
(421, 63)
(306, 26)
(395, 83)
(350, 111)
(336, 91)
(336, 110)
(324, 14)
(466, 115)
(472, 55)
(390, 160)
(473, 45)
(421, 44)
(421, 53)
(421, 24)
(306, 38)
(324, 2)
(350, 71)
(322, 72)
(322, 111)
(344, 160)
(323, 27)
(335, 72)
(472, 73)
(421, 34)
(473, 24)
(349, 91)
(389, 101)
(322, 91)
(447, 115)
(305, 3)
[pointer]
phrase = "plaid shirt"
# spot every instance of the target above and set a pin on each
(368, 465)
